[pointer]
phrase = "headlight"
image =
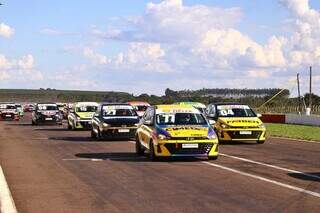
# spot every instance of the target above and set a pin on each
(106, 125)
(224, 126)
(162, 137)
(262, 126)
(212, 136)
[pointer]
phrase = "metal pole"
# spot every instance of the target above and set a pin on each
(299, 95)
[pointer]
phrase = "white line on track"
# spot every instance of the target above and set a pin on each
(6, 201)
(270, 165)
(315, 194)
(82, 159)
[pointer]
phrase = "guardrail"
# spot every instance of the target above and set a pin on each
(312, 120)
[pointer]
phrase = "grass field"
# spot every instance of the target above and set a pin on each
(294, 131)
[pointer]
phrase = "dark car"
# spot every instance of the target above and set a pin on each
(114, 120)
(9, 111)
(46, 113)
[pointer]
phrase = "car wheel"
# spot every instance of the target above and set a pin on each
(33, 123)
(93, 134)
(152, 155)
(139, 149)
(69, 126)
(212, 157)
(260, 142)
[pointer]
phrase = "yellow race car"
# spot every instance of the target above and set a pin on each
(176, 130)
(236, 122)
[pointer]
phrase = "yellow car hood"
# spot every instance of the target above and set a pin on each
(85, 115)
(187, 131)
(241, 122)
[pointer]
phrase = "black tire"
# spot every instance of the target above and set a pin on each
(69, 126)
(93, 134)
(33, 123)
(212, 157)
(139, 149)
(260, 142)
(152, 155)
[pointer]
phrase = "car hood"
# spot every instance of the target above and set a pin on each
(49, 112)
(185, 131)
(114, 120)
(241, 122)
(85, 115)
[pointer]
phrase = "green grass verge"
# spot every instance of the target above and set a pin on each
(294, 131)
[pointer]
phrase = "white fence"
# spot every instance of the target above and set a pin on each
(313, 120)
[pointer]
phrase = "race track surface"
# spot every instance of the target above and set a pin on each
(51, 169)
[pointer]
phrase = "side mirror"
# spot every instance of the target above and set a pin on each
(212, 122)
(259, 115)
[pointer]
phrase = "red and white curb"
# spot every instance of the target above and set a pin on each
(6, 201)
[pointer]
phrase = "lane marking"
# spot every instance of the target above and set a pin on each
(271, 166)
(82, 159)
(315, 194)
(294, 139)
(6, 201)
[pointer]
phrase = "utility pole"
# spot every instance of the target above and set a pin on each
(299, 95)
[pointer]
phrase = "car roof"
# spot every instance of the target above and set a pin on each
(191, 103)
(109, 104)
(85, 103)
(139, 103)
(171, 108)
(227, 103)
(51, 103)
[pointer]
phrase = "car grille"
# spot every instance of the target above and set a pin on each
(116, 134)
(188, 138)
(237, 135)
(176, 149)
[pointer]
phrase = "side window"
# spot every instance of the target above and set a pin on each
(148, 115)
(211, 111)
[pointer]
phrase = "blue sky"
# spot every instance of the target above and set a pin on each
(146, 46)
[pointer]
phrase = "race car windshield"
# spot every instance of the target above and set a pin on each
(180, 119)
(11, 107)
(47, 107)
(108, 111)
(142, 108)
(235, 111)
(86, 109)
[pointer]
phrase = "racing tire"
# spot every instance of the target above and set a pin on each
(69, 126)
(260, 142)
(152, 156)
(93, 135)
(139, 149)
(33, 123)
(212, 157)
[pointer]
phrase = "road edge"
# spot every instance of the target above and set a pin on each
(6, 201)
(294, 139)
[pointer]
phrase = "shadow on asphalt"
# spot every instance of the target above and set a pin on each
(237, 143)
(20, 124)
(305, 177)
(132, 157)
(72, 139)
(52, 129)
(85, 139)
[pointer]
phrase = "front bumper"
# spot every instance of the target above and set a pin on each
(175, 148)
(242, 134)
(48, 120)
(9, 116)
(83, 124)
(118, 132)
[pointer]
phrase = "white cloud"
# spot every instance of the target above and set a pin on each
(6, 31)
(258, 73)
(95, 58)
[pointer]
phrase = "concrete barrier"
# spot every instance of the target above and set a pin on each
(273, 118)
(312, 120)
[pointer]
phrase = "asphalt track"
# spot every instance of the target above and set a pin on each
(51, 169)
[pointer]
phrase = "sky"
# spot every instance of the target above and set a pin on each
(146, 46)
